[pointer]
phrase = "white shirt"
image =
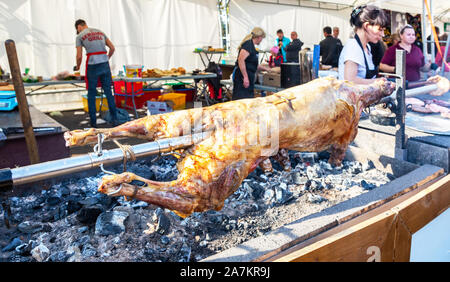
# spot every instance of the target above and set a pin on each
(353, 52)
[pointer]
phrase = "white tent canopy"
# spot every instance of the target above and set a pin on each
(164, 33)
(154, 33)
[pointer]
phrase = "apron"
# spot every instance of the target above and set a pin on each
(369, 73)
(99, 84)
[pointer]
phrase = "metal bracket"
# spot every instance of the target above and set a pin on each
(98, 150)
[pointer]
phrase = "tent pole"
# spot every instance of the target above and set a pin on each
(444, 59)
(424, 32)
(432, 50)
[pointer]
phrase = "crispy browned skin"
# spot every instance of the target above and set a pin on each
(316, 116)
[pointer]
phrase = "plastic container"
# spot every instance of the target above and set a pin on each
(190, 92)
(122, 87)
(125, 101)
(133, 70)
(8, 100)
(98, 99)
(152, 94)
(178, 100)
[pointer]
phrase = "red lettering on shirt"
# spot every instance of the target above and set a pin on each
(91, 36)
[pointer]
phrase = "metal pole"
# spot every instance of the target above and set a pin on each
(56, 168)
(400, 113)
(433, 50)
(444, 59)
(424, 27)
(24, 111)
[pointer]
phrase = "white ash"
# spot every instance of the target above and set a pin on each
(47, 227)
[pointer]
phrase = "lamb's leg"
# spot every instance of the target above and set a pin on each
(182, 195)
(153, 127)
(164, 194)
(337, 154)
(282, 157)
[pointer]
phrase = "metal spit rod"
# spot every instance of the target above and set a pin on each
(46, 170)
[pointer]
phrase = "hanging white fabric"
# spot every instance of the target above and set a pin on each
(155, 33)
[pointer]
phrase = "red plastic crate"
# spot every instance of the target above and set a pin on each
(152, 94)
(126, 101)
(121, 88)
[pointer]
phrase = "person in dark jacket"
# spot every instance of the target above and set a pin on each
(293, 48)
(377, 50)
(329, 48)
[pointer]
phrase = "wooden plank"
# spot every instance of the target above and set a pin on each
(417, 211)
(385, 236)
(402, 241)
(361, 242)
(388, 247)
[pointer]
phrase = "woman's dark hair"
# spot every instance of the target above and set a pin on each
(368, 13)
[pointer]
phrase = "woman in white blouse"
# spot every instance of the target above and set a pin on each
(355, 61)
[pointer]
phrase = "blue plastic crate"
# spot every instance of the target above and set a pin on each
(8, 100)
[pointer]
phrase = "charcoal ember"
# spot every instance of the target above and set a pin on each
(217, 218)
(105, 200)
(315, 199)
(242, 192)
(83, 240)
(334, 179)
(163, 223)
(60, 212)
(269, 194)
(139, 204)
(367, 186)
(325, 166)
(257, 191)
(282, 195)
(315, 185)
(110, 223)
(73, 206)
(348, 183)
(19, 258)
(88, 215)
(59, 256)
(12, 245)
(25, 249)
(73, 254)
(306, 157)
(64, 191)
(53, 200)
(30, 227)
(37, 204)
(297, 178)
(313, 172)
(88, 251)
(40, 252)
(89, 201)
(184, 255)
(165, 240)
(367, 165)
(355, 168)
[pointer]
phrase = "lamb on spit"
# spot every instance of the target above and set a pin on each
(319, 115)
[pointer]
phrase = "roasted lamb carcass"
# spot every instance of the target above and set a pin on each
(322, 114)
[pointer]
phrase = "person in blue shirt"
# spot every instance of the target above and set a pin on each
(282, 42)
